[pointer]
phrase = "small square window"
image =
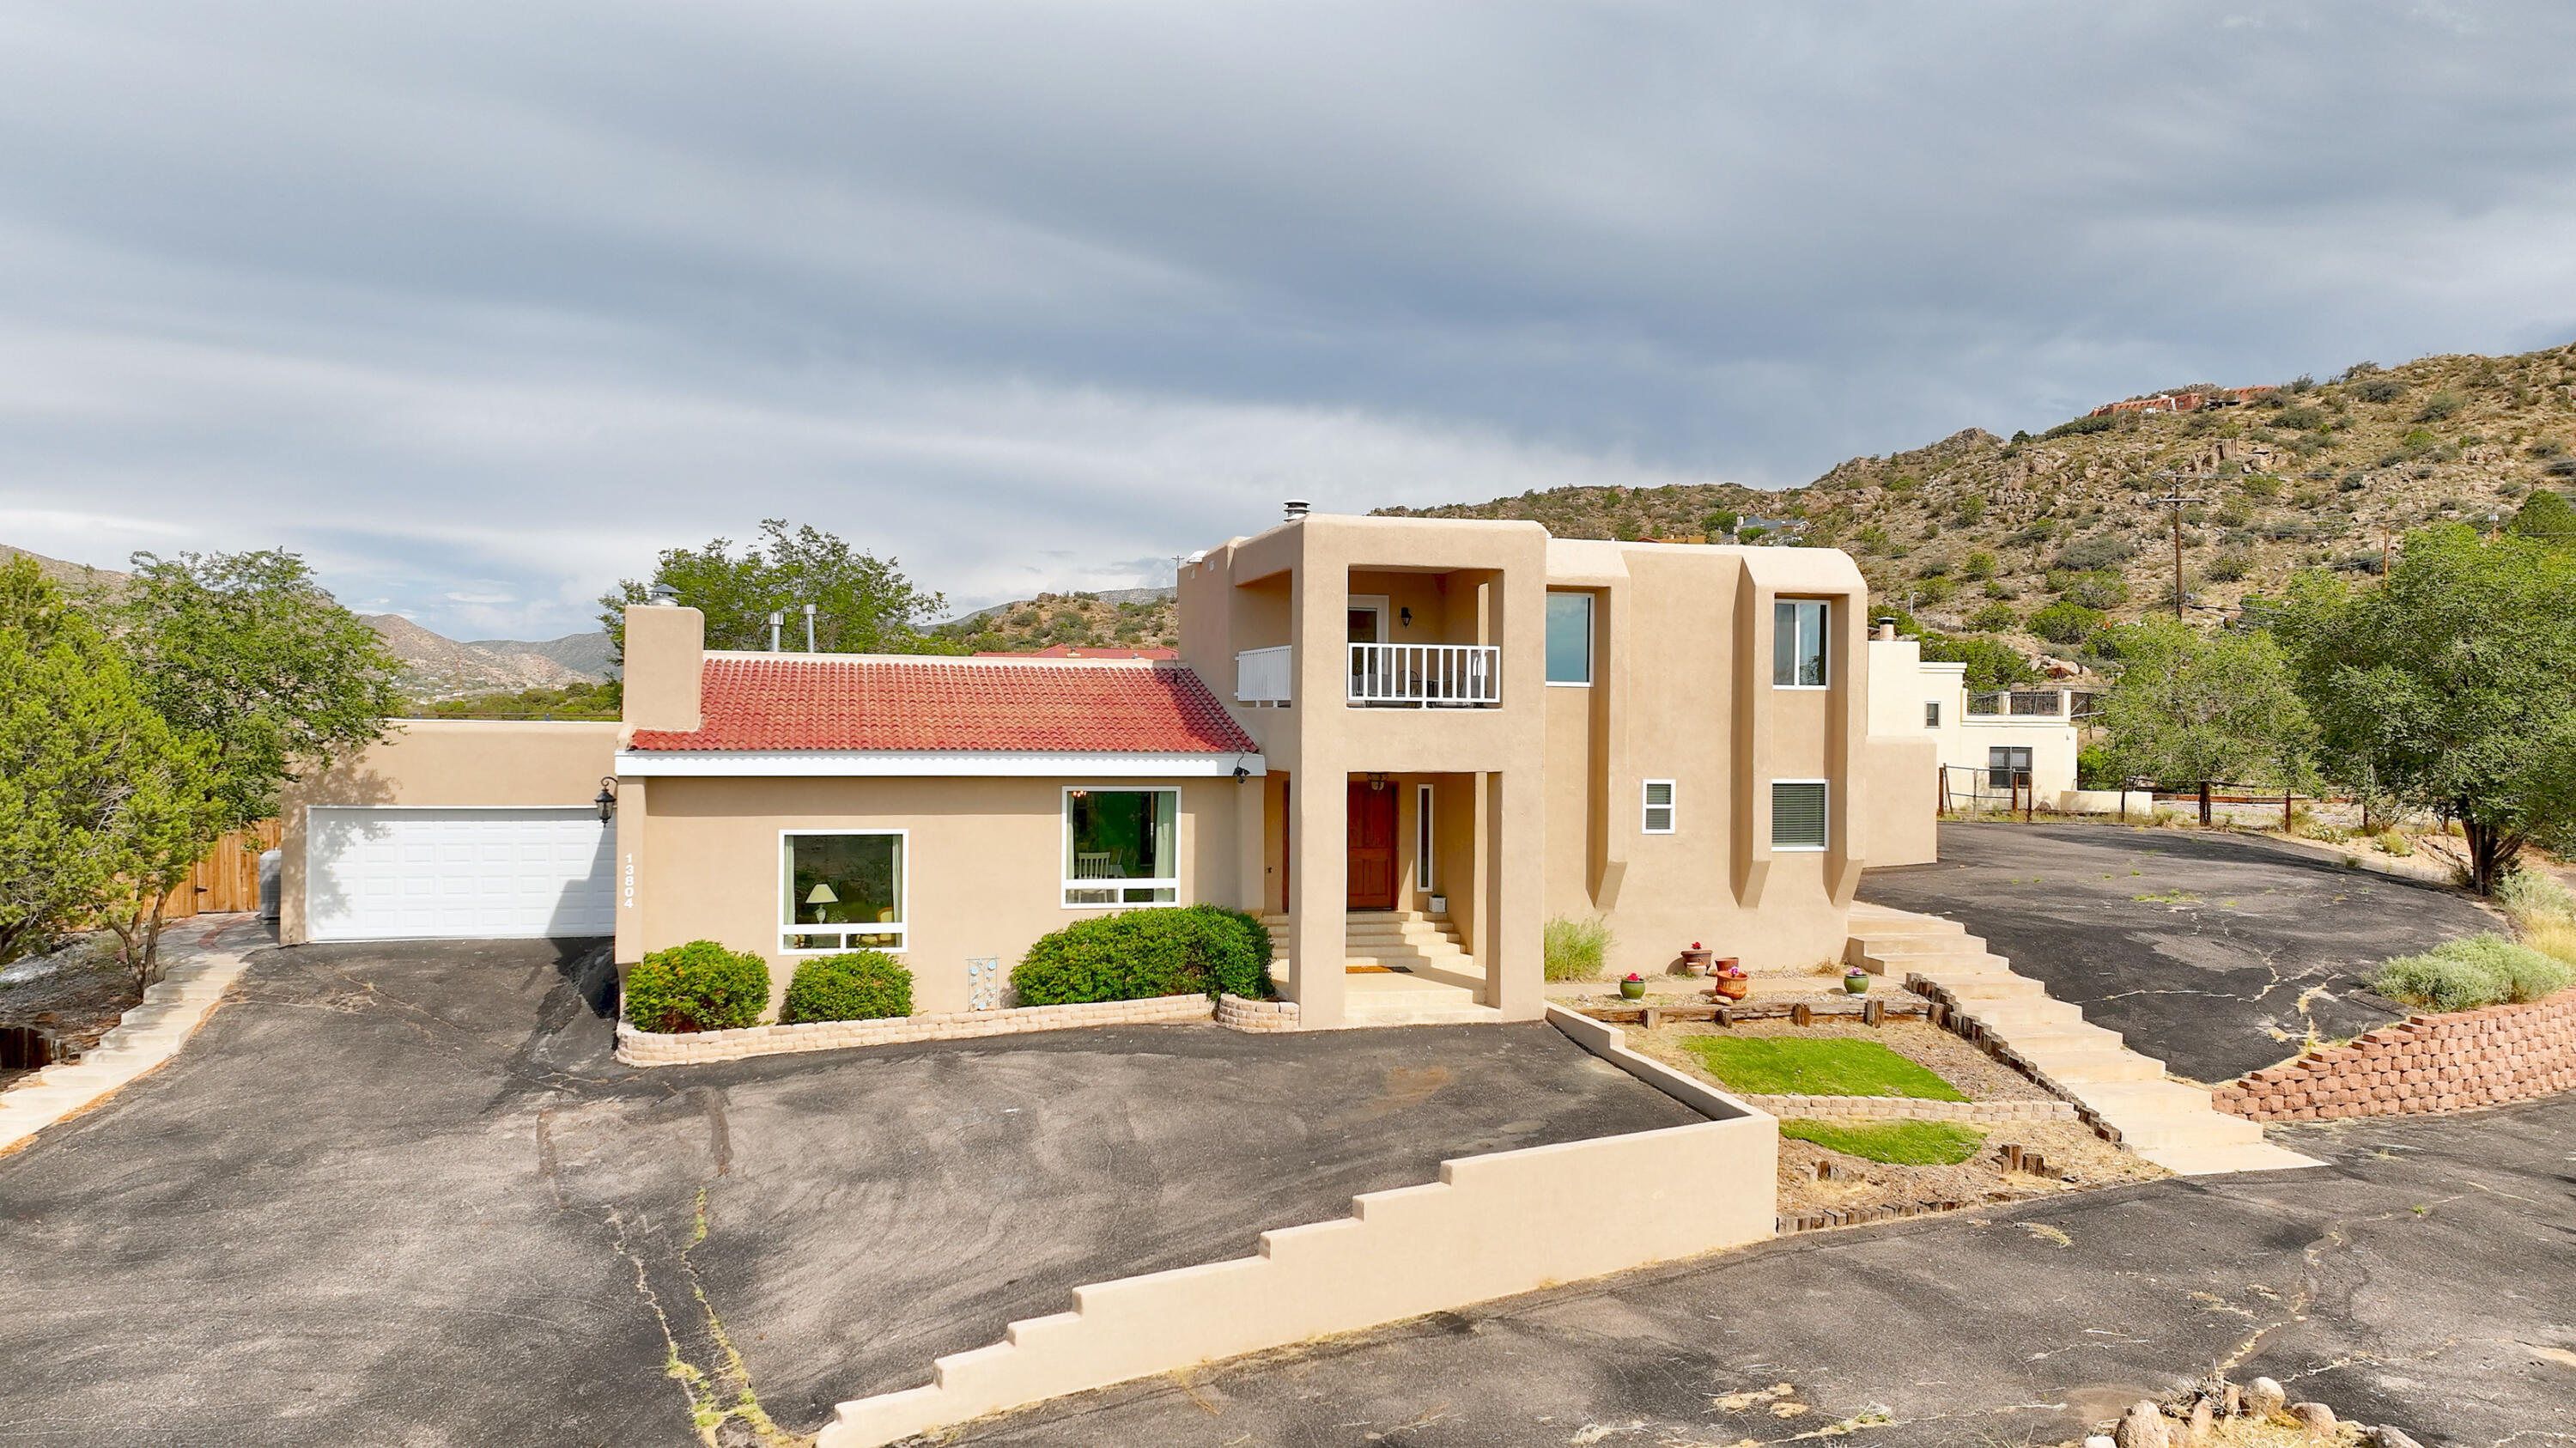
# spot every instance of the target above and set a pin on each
(1659, 807)
(1931, 713)
(1797, 814)
(1798, 643)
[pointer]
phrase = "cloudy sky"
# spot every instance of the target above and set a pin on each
(477, 304)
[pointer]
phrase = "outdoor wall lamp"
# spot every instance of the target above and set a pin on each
(1404, 616)
(607, 800)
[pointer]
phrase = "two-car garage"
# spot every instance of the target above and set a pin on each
(482, 873)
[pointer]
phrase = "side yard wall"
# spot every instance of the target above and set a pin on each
(2425, 1063)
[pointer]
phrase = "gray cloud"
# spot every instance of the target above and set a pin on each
(478, 305)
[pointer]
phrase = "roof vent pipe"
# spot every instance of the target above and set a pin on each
(663, 595)
(1298, 508)
(775, 619)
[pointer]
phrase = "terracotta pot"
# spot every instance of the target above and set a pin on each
(1732, 987)
(1634, 990)
(1695, 962)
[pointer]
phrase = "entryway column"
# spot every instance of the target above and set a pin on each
(1516, 846)
(1318, 895)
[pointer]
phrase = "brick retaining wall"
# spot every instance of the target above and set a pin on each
(2424, 1063)
(1908, 1108)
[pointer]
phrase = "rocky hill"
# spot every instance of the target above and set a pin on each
(2040, 539)
(1116, 618)
(435, 667)
(70, 575)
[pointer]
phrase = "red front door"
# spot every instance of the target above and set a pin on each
(1372, 846)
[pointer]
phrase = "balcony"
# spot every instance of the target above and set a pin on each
(2017, 704)
(1262, 676)
(1426, 676)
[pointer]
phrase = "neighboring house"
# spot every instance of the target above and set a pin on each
(1405, 742)
(1998, 748)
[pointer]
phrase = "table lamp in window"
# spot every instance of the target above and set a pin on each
(821, 896)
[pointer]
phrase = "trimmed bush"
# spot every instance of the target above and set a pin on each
(2462, 975)
(700, 986)
(858, 985)
(1141, 954)
(1575, 949)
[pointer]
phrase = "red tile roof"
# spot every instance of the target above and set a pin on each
(885, 703)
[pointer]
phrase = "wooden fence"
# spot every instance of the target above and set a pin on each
(227, 879)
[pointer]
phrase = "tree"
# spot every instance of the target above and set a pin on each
(2452, 686)
(1992, 663)
(2545, 515)
(861, 605)
(247, 652)
(2192, 705)
(2066, 622)
(103, 808)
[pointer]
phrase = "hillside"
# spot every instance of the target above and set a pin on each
(70, 575)
(435, 667)
(1976, 533)
(1122, 618)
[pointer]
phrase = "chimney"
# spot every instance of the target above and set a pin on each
(1298, 508)
(665, 652)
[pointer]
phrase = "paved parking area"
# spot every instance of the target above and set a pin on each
(403, 1195)
(2215, 953)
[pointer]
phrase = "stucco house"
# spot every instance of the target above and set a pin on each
(1998, 748)
(1406, 743)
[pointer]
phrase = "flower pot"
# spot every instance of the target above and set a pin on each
(1439, 904)
(1695, 962)
(1857, 983)
(1634, 990)
(1730, 987)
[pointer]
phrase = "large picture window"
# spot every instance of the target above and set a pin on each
(843, 891)
(1121, 847)
(1569, 638)
(1798, 643)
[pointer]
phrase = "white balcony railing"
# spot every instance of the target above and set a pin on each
(1432, 675)
(1261, 676)
(2017, 704)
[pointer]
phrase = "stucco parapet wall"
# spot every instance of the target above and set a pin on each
(1491, 1226)
(652, 1048)
(1902, 1108)
(2427, 1063)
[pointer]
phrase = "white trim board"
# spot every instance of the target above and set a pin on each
(927, 763)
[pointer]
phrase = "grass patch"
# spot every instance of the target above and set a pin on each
(1900, 1143)
(1821, 1066)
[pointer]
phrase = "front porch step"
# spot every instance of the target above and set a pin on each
(1404, 1000)
(1395, 940)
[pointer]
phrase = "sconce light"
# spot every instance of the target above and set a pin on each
(1241, 774)
(1405, 616)
(607, 800)
(1377, 781)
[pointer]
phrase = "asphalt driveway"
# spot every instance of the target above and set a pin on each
(403, 1195)
(2215, 953)
(2426, 1277)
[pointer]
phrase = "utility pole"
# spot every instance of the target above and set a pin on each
(2177, 500)
(2383, 550)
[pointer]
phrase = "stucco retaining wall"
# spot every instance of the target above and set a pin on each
(652, 1048)
(1492, 1226)
(2425, 1063)
(1906, 1108)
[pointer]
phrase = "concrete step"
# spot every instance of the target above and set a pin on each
(1985, 985)
(2077, 1068)
(2232, 1157)
(2026, 1013)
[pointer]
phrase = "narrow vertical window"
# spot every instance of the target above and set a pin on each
(1931, 713)
(1798, 643)
(1422, 838)
(1659, 807)
(1569, 638)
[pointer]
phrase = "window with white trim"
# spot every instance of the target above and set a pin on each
(1798, 643)
(1121, 847)
(1797, 814)
(1422, 837)
(1931, 713)
(1659, 807)
(842, 890)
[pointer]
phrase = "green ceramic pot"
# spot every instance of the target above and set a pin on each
(1634, 990)
(1856, 983)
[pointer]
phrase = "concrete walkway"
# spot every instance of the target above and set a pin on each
(2167, 1122)
(200, 960)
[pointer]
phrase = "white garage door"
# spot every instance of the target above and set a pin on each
(479, 874)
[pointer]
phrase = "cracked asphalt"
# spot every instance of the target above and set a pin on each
(401, 1194)
(2426, 1277)
(2215, 953)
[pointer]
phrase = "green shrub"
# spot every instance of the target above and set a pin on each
(700, 986)
(1575, 949)
(2462, 975)
(2105, 550)
(2066, 623)
(861, 985)
(2527, 895)
(2390, 842)
(1993, 618)
(2097, 768)
(1142, 954)
(1980, 565)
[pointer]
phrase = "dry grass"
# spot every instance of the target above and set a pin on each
(2556, 938)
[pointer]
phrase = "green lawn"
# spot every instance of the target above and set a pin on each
(1816, 1066)
(1904, 1143)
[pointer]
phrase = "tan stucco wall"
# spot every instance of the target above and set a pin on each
(983, 864)
(446, 762)
(1901, 683)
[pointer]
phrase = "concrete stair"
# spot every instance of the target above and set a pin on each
(1404, 968)
(2167, 1122)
